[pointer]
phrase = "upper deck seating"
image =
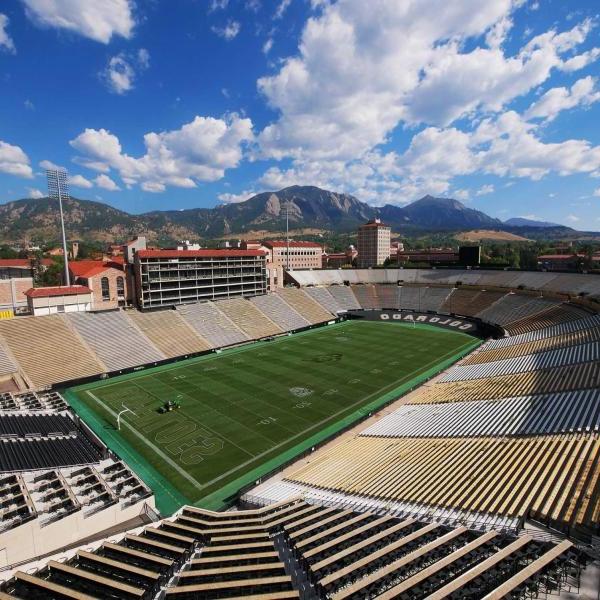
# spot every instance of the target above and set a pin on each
(48, 351)
(367, 296)
(513, 307)
(324, 297)
(248, 318)
(280, 312)
(560, 313)
(302, 303)
(433, 298)
(212, 324)
(115, 339)
(344, 297)
(167, 330)
(388, 295)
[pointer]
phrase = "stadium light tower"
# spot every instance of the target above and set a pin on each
(58, 189)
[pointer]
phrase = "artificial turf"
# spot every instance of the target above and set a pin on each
(247, 410)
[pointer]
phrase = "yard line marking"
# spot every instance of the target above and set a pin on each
(321, 423)
(158, 451)
(194, 420)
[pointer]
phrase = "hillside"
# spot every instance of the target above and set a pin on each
(310, 209)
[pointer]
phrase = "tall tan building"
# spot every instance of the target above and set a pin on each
(374, 240)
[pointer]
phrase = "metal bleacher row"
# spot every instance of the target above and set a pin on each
(294, 549)
(59, 348)
(510, 433)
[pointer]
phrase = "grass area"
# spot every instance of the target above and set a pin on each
(248, 410)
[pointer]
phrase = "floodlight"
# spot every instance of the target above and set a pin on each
(58, 189)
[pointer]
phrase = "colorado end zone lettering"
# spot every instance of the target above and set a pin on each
(430, 319)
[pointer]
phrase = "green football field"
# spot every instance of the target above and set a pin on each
(246, 411)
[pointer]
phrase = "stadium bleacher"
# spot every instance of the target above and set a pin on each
(169, 332)
(280, 312)
(292, 547)
(324, 298)
(344, 297)
(48, 350)
(248, 318)
(212, 324)
(302, 303)
(115, 339)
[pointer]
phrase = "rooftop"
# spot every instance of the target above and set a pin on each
(16, 263)
(204, 253)
(89, 268)
(292, 244)
(49, 292)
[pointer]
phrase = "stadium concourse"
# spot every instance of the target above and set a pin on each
(484, 483)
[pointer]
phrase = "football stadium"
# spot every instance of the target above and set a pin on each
(364, 433)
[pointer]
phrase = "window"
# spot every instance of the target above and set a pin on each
(105, 288)
(120, 286)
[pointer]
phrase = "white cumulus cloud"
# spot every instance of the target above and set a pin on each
(98, 20)
(80, 181)
(120, 72)
(14, 161)
(485, 189)
(6, 42)
(199, 151)
(106, 183)
(35, 193)
(582, 93)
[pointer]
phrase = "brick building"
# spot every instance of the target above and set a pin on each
(105, 279)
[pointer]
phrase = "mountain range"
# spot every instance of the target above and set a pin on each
(306, 207)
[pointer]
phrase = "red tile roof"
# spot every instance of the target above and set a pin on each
(204, 253)
(89, 268)
(47, 292)
(283, 244)
(17, 263)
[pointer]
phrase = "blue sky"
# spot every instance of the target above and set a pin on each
(174, 104)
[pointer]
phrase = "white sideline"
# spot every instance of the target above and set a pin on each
(158, 451)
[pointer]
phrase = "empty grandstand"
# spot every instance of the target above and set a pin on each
(294, 549)
(427, 500)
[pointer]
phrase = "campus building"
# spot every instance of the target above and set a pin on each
(295, 255)
(105, 279)
(169, 277)
(374, 241)
(44, 301)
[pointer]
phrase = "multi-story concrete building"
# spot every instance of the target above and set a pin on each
(295, 255)
(168, 277)
(374, 240)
